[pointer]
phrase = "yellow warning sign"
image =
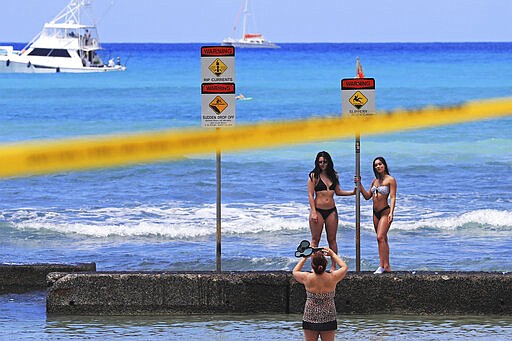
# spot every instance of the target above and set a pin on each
(358, 100)
(218, 67)
(218, 105)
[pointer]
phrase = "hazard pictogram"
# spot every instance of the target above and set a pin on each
(358, 100)
(218, 67)
(218, 105)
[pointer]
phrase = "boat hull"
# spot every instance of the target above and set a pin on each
(251, 45)
(12, 66)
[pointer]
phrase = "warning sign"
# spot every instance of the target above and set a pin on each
(217, 51)
(358, 96)
(218, 86)
(218, 67)
(358, 100)
(357, 83)
(217, 64)
(218, 104)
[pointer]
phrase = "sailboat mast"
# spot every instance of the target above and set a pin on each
(245, 18)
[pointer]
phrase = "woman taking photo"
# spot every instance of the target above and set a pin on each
(319, 318)
(382, 188)
(323, 183)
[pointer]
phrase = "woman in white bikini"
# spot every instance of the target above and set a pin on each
(382, 188)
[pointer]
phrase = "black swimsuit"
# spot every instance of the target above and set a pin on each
(320, 186)
(325, 213)
(378, 213)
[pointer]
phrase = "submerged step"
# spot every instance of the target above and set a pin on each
(17, 278)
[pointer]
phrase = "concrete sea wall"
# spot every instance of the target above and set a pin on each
(17, 278)
(153, 293)
(167, 293)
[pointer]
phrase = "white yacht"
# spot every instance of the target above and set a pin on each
(255, 40)
(66, 44)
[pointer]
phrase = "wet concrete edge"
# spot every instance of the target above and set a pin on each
(155, 293)
(19, 278)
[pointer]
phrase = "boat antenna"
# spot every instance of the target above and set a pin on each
(111, 4)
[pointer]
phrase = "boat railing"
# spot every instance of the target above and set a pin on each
(91, 44)
(6, 50)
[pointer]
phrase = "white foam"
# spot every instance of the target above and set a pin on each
(485, 220)
(179, 221)
(173, 222)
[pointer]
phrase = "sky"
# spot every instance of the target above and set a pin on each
(281, 21)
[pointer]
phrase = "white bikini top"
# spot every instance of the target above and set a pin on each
(380, 189)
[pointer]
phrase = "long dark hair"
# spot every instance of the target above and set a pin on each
(331, 173)
(386, 170)
(318, 262)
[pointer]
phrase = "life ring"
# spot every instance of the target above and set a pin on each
(7, 62)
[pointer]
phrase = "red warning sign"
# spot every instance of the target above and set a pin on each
(357, 83)
(218, 88)
(217, 51)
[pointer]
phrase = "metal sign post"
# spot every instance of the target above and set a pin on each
(218, 109)
(218, 215)
(358, 98)
(358, 204)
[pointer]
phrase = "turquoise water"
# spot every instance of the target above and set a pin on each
(454, 182)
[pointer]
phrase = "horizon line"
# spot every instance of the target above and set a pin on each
(302, 42)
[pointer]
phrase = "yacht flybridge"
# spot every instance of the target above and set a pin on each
(66, 44)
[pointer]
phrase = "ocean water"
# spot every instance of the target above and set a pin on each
(454, 201)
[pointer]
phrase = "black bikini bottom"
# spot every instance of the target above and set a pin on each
(326, 213)
(378, 213)
(325, 326)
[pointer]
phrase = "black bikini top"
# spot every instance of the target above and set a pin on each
(320, 186)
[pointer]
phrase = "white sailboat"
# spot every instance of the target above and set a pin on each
(66, 44)
(254, 40)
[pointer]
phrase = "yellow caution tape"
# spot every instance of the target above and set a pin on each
(84, 153)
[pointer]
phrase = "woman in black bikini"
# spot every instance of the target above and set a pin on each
(382, 188)
(323, 183)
